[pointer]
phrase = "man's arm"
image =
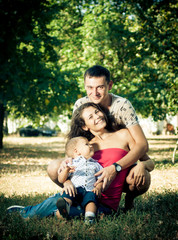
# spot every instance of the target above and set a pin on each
(147, 163)
(137, 151)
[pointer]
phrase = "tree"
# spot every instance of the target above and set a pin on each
(156, 59)
(32, 84)
(136, 40)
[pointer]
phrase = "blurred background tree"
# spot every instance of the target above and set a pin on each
(46, 46)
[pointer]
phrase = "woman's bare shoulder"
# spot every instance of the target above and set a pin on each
(122, 132)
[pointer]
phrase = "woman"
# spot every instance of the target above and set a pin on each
(109, 145)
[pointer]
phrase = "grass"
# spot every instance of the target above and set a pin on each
(23, 161)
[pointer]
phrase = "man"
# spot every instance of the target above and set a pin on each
(97, 85)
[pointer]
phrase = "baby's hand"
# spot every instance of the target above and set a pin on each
(71, 169)
(64, 164)
(97, 191)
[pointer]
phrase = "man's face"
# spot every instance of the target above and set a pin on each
(97, 89)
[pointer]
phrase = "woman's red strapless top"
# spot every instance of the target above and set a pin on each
(106, 157)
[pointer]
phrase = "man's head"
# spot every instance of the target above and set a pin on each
(97, 71)
(97, 85)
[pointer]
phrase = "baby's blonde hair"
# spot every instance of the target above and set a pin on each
(71, 144)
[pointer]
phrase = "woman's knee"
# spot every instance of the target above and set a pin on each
(144, 188)
(52, 169)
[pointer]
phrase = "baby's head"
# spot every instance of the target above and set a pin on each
(79, 146)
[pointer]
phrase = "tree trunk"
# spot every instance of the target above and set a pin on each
(2, 110)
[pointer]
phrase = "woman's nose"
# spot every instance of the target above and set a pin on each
(96, 116)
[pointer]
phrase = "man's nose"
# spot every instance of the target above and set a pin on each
(95, 91)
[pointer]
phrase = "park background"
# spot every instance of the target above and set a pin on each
(45, 48)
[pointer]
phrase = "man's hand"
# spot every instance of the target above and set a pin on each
(137, 175)
(107, 176)
(69, 188)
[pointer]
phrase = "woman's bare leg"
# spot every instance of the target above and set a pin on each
(132, 191)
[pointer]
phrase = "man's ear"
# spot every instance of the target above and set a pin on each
(110, 85)
(85, 128)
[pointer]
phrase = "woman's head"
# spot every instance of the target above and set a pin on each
(88, 119)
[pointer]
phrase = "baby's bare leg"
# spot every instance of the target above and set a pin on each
(91, 207)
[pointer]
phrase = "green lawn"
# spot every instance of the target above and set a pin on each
(24, 161)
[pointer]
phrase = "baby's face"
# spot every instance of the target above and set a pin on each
(85, 148)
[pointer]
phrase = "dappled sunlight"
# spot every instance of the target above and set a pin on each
(24, 161)
(27, 183)
(164, 179)
(161, 149)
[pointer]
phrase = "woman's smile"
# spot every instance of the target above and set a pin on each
(100, 120)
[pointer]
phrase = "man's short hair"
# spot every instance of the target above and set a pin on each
(97, 71)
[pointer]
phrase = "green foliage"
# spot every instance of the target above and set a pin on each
(32, 83)
(45, 47)
(136, 42)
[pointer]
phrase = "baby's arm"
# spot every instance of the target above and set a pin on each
(63, 175)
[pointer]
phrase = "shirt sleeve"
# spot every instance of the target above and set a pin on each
(125, 114)
(98, 167)
(76, 105)
(79, 102)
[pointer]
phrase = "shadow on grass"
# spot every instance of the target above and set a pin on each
(161, 150)
(23, 152)
(154, 217)
(12, 168)
(165, 162)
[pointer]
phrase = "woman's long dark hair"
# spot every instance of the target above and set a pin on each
(78, 122)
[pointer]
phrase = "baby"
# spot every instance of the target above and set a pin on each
(82, 175)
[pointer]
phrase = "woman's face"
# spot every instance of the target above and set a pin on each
(94, 119)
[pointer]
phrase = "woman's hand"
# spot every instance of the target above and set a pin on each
(107, 176)
(69, 188)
